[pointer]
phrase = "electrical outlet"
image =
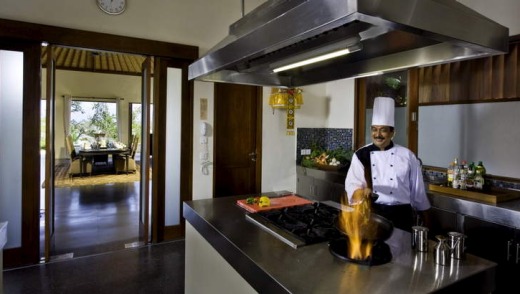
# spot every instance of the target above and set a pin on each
(305, 152)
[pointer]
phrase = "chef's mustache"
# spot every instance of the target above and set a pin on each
(379, 138)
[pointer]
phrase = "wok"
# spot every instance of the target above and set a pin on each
(378, 228)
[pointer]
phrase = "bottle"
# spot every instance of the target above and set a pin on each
(471, 176)
(450, 174)
(481, 167)
(456, 176)
(463, 175)
(482, 171)
(478, 181)
(471, 169)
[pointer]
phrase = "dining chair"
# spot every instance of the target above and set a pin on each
(77, 163)
(122, 160)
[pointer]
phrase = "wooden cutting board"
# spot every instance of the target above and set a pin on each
(494, 195)
(276, 202)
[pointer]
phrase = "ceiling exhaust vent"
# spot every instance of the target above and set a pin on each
(366, 37)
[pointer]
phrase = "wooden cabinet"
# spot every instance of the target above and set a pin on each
(483, 79)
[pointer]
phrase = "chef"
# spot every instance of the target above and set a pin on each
(390, 171)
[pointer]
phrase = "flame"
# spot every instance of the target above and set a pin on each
(354, 222)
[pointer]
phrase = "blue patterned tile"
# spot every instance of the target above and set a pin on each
(324, 138)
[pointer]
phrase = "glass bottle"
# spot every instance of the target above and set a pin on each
(481, 167)
(456, 174)
(482, 170)
(478, 181)
(463, 175)
(471, 176)
(450, 174)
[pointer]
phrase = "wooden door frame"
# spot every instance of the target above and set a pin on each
(17, 33)
(28, 252)
(160, 232)
(412, 109)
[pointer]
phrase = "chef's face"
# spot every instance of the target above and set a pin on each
(382, 136)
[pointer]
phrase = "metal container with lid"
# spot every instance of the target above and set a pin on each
(456, 244)
(442, 252)
(420, 238)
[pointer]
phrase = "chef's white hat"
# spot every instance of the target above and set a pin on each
(383, 114)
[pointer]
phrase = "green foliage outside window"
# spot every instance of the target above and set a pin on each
(91, 118)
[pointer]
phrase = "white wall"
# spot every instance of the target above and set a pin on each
(504, 12)
(340, 102)
(202, 184)
(485, 132)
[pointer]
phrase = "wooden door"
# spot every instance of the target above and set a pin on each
(238, 135)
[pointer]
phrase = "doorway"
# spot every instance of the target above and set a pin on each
(95, 208)
(23, 246)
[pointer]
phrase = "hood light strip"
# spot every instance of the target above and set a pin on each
(320, 58)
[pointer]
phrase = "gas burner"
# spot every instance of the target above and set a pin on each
(310, 223)
(381, 253)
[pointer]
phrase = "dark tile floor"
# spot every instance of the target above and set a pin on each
(96, 231)
(95, 219)
(155, 268)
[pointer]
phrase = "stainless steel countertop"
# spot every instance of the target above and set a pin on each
(504, 213)
(272, 266)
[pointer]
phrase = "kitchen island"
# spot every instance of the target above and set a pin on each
(225, 252)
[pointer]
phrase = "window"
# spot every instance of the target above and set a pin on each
(88, 119)
(135, 125)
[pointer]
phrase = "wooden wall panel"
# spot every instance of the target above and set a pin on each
(484, 79)
(497, 79)
(512, 72)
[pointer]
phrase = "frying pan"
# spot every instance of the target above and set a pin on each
(378, 228)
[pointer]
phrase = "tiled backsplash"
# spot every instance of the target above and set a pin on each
(326, 138)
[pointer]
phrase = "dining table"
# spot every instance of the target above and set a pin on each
(87, 154)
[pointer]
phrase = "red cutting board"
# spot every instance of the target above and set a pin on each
(276, 202)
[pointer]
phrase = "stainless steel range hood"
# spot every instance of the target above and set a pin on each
(392, 35)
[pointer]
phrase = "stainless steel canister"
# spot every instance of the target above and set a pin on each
(420, 238)
(442, 252)
(456, 243)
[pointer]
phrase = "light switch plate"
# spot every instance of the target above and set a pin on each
(305, 152)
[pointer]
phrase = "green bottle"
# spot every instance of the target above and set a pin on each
(480, 172)
(481, 167)
(478, 181)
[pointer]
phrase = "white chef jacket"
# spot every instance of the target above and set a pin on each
(396, 176)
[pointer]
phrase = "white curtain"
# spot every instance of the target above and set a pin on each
(119, 120)
(66, 114)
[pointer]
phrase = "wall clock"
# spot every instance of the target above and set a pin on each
(112, 7)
